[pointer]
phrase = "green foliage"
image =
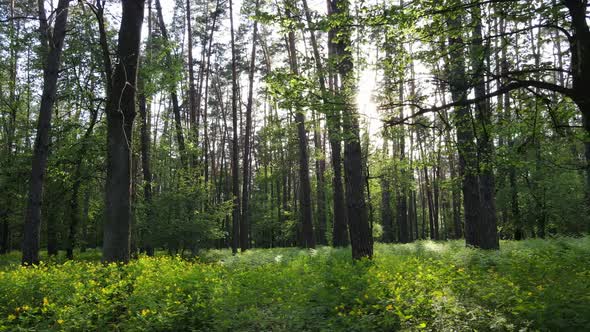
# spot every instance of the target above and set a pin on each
(421, 286)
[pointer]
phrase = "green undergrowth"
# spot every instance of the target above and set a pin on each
(423, 286)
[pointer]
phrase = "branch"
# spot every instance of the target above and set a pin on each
(6, 20)
(517, 84)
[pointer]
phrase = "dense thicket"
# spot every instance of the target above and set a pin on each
(306, 123)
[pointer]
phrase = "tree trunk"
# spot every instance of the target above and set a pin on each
(120, 113)
(468, 169)
(234, 159)
(74, 199)
(52, 42)
(580, 67)
(172, 90)
(339, 233)
(193, 114)
(320, 165)
(386, 214)
(486, 235)
(206, 108)
(361, 238)
(304, 181)
(244, 222)
(146, 169)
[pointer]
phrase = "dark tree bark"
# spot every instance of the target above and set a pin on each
(361, 238)
(468, 169)
(235, 153)
(145, 139)
(308, 240)
(120, 113)
(456, 204)
(340, 237)
(320, 162)
(580, 68)
(146, 168)
(486, 235)
(386, 213)
(52, 41)
(244, 222)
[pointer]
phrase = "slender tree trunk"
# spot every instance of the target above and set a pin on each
(191, 83)
(339, 234)
(244, 222)
(486, 235)
(172, 91)
(304, 181)
(235, 153)
(85, 219)
(206, 107)
(74, 199)
(437, 199)
(456, 196)
(120, 113)
(146, 169)
(320, 165)
(386, 213)
(340, 237)
(402, 201)
(52, 41)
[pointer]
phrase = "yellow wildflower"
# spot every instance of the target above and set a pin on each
(60, 321)
(389, 307)
(45, 301)
(11, 317)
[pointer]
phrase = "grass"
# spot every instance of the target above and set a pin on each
(426, 286)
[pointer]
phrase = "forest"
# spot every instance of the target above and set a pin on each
(311, 165)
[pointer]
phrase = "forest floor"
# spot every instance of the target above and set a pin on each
(437, 286)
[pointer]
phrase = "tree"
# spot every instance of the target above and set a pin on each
(172, 88)
(52, 40)
(235, 149)
(244, 225)
(339, 223)
(304, 182)
(121, 111)
(361, 239)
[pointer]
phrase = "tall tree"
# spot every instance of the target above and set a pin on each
(319, 146)
(486, 235)
(304, 181)
(333, 122)
(361, 238)
(120, 111)
(468, 169)
(244, 225)
(172, 89)
(235, 149)
(52, 40)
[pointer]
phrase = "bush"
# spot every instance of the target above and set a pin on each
(533, 284)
